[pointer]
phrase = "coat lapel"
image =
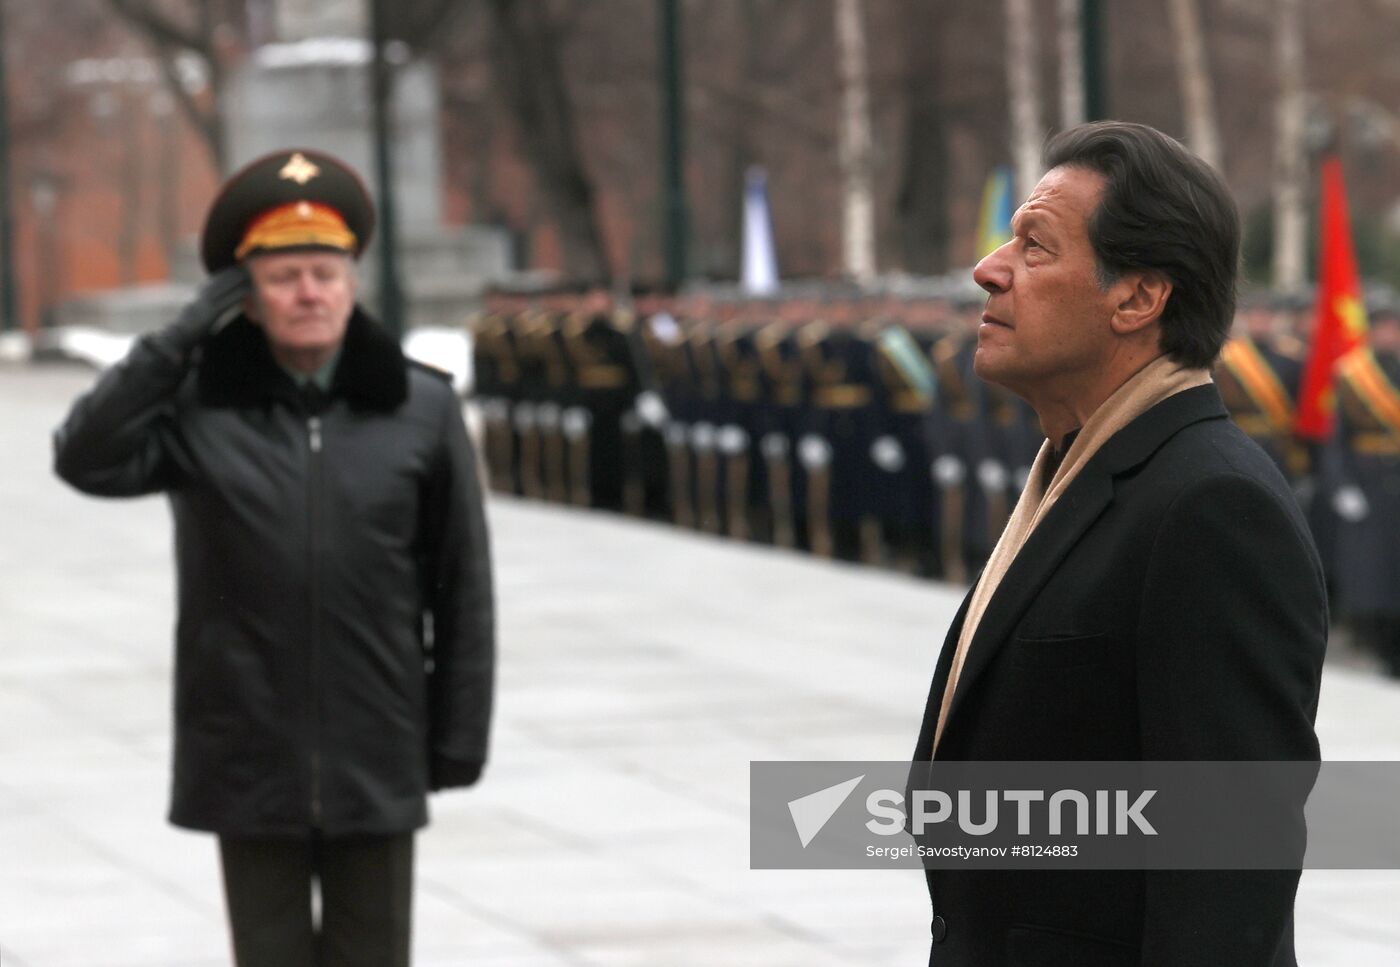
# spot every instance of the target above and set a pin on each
(940, 676)
(1082, 503)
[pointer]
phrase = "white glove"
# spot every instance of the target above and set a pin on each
(814, 452)
(949, 471)
(887, 454)
(1350, 504)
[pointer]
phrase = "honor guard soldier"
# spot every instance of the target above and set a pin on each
(562, 396)
(1362, 471)
(955, 426)
(645, 474)
(835, 446)
(598, 342)
(904, 495)
(665, 342)
(1002, 455)
(496, 386)
(532, 361)
(744, 477)
(707, 372)
(660, 339)
(781, 414)
(549, 388)
(1258, 374)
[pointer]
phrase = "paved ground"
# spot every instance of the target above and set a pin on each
(641, 670)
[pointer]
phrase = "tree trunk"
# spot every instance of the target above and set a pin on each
(922, 202)
(1022, 73)
(133, 205)
(1193, 73)
(168, 38)
(856, 146)
(1071, 63)
(527, 67)
(1290, 160)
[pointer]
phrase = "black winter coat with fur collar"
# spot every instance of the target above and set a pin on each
(335, 643)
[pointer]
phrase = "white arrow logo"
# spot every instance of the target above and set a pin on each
(812, 812)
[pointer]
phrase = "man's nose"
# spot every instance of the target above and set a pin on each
(993, 273)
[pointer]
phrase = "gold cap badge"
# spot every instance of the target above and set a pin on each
(298, 169)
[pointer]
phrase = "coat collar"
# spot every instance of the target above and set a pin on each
(237, 368)
(1082, 503)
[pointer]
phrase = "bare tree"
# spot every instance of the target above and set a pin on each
(1071, 63)
(1290, 161)
(1022, 73)
(857, 145)
(527, 68)
(207, 31)
(1193, 74)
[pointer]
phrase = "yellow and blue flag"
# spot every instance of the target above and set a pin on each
(994, 225)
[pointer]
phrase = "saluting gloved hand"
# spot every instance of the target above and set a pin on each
(221, 292)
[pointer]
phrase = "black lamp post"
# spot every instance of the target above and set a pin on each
(673, 154)
(390, 290)
(9, 282)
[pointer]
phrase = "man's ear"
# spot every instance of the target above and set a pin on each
(250, 308)
(1143, 302)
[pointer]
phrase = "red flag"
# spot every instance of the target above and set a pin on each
(1339, 315)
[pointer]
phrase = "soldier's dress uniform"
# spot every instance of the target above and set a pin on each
(710, 414)
(834, 446)
(780, 421)
(1362, 472)
(539, 374)
(955, 427)
(645, 470)
(1258, 381)
(496, 387)
(745, 473)
(905, 499)
(1003, 449)
(607, 384)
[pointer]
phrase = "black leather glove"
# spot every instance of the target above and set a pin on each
(221, 292)
(447, 773)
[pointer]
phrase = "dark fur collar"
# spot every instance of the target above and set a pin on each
(237, 368)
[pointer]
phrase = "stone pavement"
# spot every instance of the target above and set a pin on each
(641, 669)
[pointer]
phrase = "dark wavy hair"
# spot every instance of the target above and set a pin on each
(1163, 208)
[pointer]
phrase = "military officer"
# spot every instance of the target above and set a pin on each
(905, 501)
(496, 386)
(956, 423)
(1258, 374)
(1362, 469)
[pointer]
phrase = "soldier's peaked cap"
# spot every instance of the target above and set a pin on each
(293, 198)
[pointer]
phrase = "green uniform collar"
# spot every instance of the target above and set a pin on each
(321, 378)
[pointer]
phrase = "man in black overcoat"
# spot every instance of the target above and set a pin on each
(1155, 595)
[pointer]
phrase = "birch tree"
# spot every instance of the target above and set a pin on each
(1022, 74)
(856, 145)
(1290, 160)
(1193, 74)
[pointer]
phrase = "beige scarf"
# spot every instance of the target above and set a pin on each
(1152, 384)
